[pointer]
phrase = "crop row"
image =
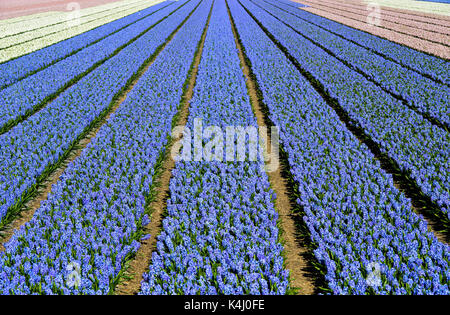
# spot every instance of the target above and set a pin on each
(32, 148)
(28, 18)
(50, 39)
(23, 37)
(430, 36)
(429, 97)
(25, 96)
(363, 230)
(220, 235)
(418, 147)
(423, 63)
(93, 216)
(16, 69)
(393, 21)
(15, 29)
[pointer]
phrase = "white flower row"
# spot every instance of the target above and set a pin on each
(426, 7)
(68, 22)
(27, 18)
(33, 45)
(41, 22)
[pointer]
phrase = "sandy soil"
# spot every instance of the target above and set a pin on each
(11, 9)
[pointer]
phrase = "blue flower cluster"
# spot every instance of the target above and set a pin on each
(31, 148)
(363, 229)
(24, 96)
(419, 148)
(428, 96)
(440, 1)
(437, 68)
(220, 235)
(292, 4)
(16, 69)
(80, 238)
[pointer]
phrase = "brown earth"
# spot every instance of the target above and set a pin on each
(294, 252)
(29, 208)
(139, 265)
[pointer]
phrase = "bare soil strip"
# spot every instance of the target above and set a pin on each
(45, 186)
(420, 44)
(75, 51)
(294, 252)
(73, 81)
(139, 265)
(421, 204)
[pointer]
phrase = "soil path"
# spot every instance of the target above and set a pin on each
(45, 187)
(139, 265)
(295, 253)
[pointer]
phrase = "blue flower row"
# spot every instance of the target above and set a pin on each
(24, 96)
(94, 214)
(220, 235)
(292, 4)
(428, 96)
(434, 67)
(365, 234)
(32, 147)
(420, 148)
(14, 70)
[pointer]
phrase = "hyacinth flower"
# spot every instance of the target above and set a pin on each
(426, 64)
(31, 149)
(220, 235)
(429, 97)
(16, 69)
(92, 221)
(418, 147)
(365, 235)
(42, 85)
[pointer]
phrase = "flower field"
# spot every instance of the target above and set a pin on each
(222, 147)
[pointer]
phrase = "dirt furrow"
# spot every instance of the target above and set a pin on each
(45, 186)
(11, 124)
(295, 253)
(421, 204)
(139, 265)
